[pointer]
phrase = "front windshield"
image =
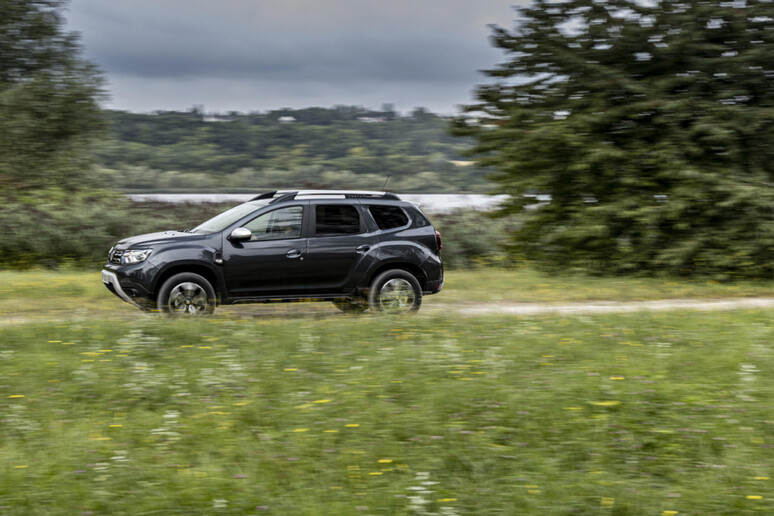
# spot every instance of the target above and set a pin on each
(228, 217)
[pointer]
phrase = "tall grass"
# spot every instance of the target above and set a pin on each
(320, 414)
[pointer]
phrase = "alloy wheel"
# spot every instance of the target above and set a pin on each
(188, 299)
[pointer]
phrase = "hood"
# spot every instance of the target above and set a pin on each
(151, 239)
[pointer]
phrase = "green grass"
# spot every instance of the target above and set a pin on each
(104, 410)
(529, 286)
(49, 292)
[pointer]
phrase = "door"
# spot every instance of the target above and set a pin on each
(270, 262)
(338, 250)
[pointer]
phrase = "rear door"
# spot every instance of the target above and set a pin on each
(340, 247)
(271, 262)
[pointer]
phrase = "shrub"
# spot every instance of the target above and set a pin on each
(474, 238)
(52, 228)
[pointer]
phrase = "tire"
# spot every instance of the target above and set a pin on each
(350, 306)
(395, 291)
(186, 294)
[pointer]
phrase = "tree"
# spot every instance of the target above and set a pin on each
(650, 125)
(48, 98)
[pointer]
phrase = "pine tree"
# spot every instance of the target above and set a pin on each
(650, 125)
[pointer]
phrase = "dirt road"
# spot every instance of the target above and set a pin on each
(515, 309)
(610, 307)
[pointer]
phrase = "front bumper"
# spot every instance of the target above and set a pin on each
(112, 284)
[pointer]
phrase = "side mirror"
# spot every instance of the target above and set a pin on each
(240, 234)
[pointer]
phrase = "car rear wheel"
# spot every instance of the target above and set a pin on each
(186, 294)
(395, 291)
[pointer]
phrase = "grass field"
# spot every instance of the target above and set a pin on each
(104, 410)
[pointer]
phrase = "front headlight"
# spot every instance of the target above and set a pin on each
(131, 256)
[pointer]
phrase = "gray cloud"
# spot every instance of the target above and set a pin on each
(307, 52)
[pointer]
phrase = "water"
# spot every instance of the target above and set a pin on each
(430, 203)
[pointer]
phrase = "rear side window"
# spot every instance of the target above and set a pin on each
(419, 218)
(388, 217)
(336, 219)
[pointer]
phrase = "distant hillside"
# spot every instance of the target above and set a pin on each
(341, 147)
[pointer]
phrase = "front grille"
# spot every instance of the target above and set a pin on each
(115, 256)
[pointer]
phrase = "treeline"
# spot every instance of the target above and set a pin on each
(339, 147)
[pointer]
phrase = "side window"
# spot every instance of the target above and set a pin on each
(388, 217)
(419, 218)
(277, 225)
(336, 219)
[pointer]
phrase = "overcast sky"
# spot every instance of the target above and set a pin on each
(256, 55)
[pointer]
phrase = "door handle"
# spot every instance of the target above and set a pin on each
(363, 248)
(293, 253)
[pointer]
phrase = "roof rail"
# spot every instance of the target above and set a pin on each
(265, 195)
(284, 195)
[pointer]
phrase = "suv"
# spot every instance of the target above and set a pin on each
(359, 250)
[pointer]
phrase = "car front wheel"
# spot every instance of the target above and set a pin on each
(395, 291)
(186, 294)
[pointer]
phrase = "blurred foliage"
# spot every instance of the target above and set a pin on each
(49, 113)
(650, 127)
(341, 147)
(474, 238)
(55, 227)
(48, 99)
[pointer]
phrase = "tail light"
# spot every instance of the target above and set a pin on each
(438, 240)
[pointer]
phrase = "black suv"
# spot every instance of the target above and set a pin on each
(359, 250)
